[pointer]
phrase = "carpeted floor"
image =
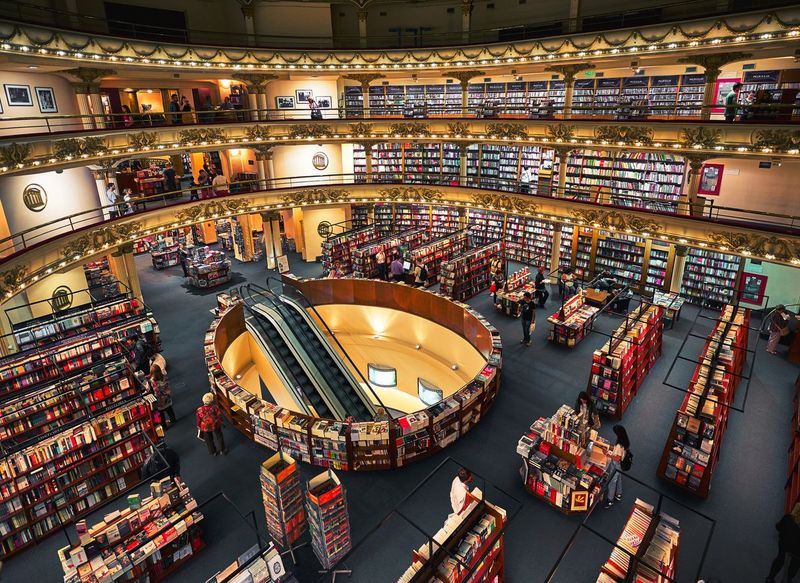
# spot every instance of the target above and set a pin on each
(747, 489)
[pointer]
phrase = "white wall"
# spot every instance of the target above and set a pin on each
(65, 102)
(320, 86)
(294, 19)
(291, 161)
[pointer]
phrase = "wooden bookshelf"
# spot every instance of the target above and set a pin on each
(710, 278)
(438, 251)
(468, 274)
(572, 322)
(283, 500)
(792, 487)
(339, 248)
(363, 257)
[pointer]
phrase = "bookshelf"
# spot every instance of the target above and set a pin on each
(528, 240)
(361, 216)
(663, 94)
(435, 98)
(443, 219)
(466, 275)
(709, 277)
(255, 565)
(634, 93)
(559, 466)
(395, 98)
(328, 520)
(422, 163)
(583, 97)
(622, 363)
(792, 487)
(452, 98)
(451, 164)
(353, 101)
(584, 252)
(485, 226)
(565, 247)
(650, 540)
(438, 251)
(508, 298)
(537, 95)
(101, 282)
(659, 264)
(556, 92)
(147, 541)
(468, 547)
(283, 500)
(377, 101)
(363, 258)
(516, 104)
(620, 255)
(572, 322)
(690, 95)
(169, 238)
(607, 96)
(475, 96)
(339, 248)
(165, 257)
(695, 439)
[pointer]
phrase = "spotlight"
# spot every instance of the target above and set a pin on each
(454, 367)
(417, 346)
(635, 66)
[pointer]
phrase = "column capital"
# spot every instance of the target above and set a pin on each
(263, 152)
(248, 8)
(696, 162)
(124, 249)
(681, 250)
(363, 78)
(256, 81)
(464, 77)
(562, 151)
(367, 145)
(267, 216)
(466, 7)
(713, 63)
(569, 71)
(89, 75)
(362, 13)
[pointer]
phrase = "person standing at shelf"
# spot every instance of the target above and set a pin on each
(186, 109)
(527, 314)
(163, 394)
(204, 181)
(316, 112)
(209, 425)
(175, 109)
(380, 262)
(788, 543)
(157, 359)
(420, 275)
(541, 289)
(381, 414)
(127, 117)
(778, 327)
(170, 178)
(183, 257)
(163, 458)
(396, 269)
(220, 185)
(111, 198)
(459, 489)
(618, 453)
(731, 108)
(584, 406)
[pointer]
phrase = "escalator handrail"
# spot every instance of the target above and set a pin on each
(364, 381)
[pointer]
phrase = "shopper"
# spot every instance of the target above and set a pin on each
(381, 414)
(127, 118)
(731, 107)
(162, 459)
(170, 178)
(778, 327)
(220, 185)
(175, 109)
(420, 275)
(163, 394)
(380, 261)
(204, 181)
(498, 281)
(183, 257)
(618, 454)
(316, 112)
(788, 543)
(186, 109)
(525, 179)
(396, 269)
(127, 202)
(111, 199)
(157, 359)
(139, 351)
(527, 314)
(584, 406)
(459, 489)
(541, 288)
(209, 425)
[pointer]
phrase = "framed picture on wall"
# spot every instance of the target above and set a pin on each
(324, 101)
(302, 95)
(710, 179)
(721, 89)
(753, 287)
(284, 102)
(18, 94)
(47, 99)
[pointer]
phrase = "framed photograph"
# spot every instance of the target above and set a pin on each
(721, 89)
(302, 95)
(753, 288)
(47, 99)
(710, 179)
(18, 94)
(324, 101)
(284, 102)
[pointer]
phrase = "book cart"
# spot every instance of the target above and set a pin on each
(573, 321)
(695, 439)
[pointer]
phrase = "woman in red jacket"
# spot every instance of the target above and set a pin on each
(209, 425)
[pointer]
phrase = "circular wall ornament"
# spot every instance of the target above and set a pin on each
(324, 229)
(35, 198)
(320, 160)
(61, 298)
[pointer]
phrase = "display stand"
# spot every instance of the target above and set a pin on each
(208, 268)
(283, 502)
(328, 521)
(363, 258)
(468, 274)
(169, 238)
(339, 248)
(165, 257)
(508, 299)
(573, 321)
(672, 304)
(438, 251)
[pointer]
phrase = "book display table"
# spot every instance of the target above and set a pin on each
(164, 257)
(509, 297)
(672, 304)
(208, 268)
(564, 463)
(573, 321)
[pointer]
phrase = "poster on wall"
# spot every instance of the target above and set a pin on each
(324, 101)
(753, 287)
(47, 99)
(283, 264)
(284, 102)
(18, 94)
(710, 179)
(721, 89)
(303, 96)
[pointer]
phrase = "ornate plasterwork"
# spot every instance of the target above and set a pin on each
(77, 147)
(637, 135)
(506, 202)
(411, 193)
(464, 77)
(143, 140)
(361, 129)
(14, 153)
(310, 130)
(316, 196)
(212, 209)
(458, 128)
(776, 139)
(713, 63)
(201, 135)
(102, 237)
(569, 71)
(704, 137)
(416, 130)
(767, 246)
(561, 131)
(364, 79)
(511, 131)
(257, 133)
(11, 279)
(617, 221)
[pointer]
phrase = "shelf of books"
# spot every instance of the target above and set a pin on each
(65, 474)
(360, 216)
(443, 219)
(387, 162)
(663, 94)
(475, 96)
(516, 103)
(169, 238)
(565, 247)
(622, 256)
(353, 101)
(435, 99)
(395, 97)
(710, 277)
(439, 250)
(659, 264)
(485, 226)
(584, 252)
(101, 282)
(556, 92)
(468, 274)
(537, 93)
(256, 565)
(451, 165)
(145, 542)
(622, 363)
(695, 439)
(377, 101)
(452, 93)
(583, 97)
(587, 171)
(690, 95)
(572, 322)
(792, 487)
(363, 257)
(564, 461)
(422, 163)
(468, 548)
(208, 267)
(283, 500)
(339, 248)
(328, 520)
(383, 218)
(528, 240)
(647, 548)
(607, 96)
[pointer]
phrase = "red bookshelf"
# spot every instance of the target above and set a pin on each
(468, 274)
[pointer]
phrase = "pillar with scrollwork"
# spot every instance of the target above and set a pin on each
(256, 93)
(466, 17)
(87, 92)
(569, 72)
(364, 79)
(690, 203)
(562, 155)
(123, 266)
(249, 14)
(264, 166)
(464, 77)
(678, 267)
(273, 247)
(712, 64)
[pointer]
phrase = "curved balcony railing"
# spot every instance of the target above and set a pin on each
(27, 12)
(772, 113)
(729, 216)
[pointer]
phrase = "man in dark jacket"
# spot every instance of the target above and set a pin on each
(163, 458)
(788, 543)
(541, 288)
(527, 314)
(175, 109)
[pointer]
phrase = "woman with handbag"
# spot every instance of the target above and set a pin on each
(620, 459)
(778, 327)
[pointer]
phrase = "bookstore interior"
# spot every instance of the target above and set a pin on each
(283, 315)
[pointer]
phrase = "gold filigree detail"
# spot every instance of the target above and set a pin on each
(310, 130)
(14, 153)
(79, 147)
(511, 131)
(560, 131)
(102, 237)
(776, 139)
(316, 196)
(361, 129)
(201, 135)
(615, 220)
(416, 130)
(766, 246)
(257, 133)
(704, 137)
(12, 278)
(713, 63)
(569, 71)
(626, 134)
(458, 128)
(504, 202)
(143, 140)
(411, 193)
(364, 79)
(212, 209)
(464, 77)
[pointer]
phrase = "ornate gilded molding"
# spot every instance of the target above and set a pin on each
(102, 237)
(458, 128)
(213, 209)
(464, 77)
(263, 151)
(411, 193)
(617, 221)
(569, 71)
(767, 246)
(257, 133)
(776, 139)
(701, 137)
(625, 134)
(507, 202)
(79, 147)
(364, 79)
(316, 196)
(416, 130)
(512, 131)
(713, 63)
(12, 279)
(361, 129)
(255, 80)
(560, 132)
(310, 130)
(89, 75)
(14, 153)
(143, 140)
(201, 135)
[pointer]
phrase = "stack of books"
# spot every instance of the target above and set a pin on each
(328, 520)
(283, 500)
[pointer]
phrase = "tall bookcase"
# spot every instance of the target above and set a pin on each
(328, 520)
(468, 274)
(528, 240)
(710, 277)
(437, 251)
(485, 226)
(339, 248)
(695, 439)
(283, 500)
(363, 257)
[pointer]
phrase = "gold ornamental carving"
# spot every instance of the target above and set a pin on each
(14, 153)
(704, 137)
(263, 151)
(626, 134)
(364, 79)
(79, 147)
(201, 136)
(458, 129)
(776, 139)
(143, 140)
(102, 237)
(416, 130)
(506, 202)
(560, 132)
(569, 71)
(212, 209)
(512, 131)
(411, 193)
(615, 220)
(464, 77)
(12, 278)
(255, 80)
(713, 63)
(316, 196)
(257, 133)
(310, 130)
(767, 246)
(361, 129)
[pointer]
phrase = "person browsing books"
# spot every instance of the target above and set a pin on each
(459, 489)
(527, 314)
(380, 261)
(778, 327)
(618, 453)
(541, 289)
(396, 269)
(584, 406)
(788, 543)
(209, 425)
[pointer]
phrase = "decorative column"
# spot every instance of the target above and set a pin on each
(464, 77)
(256, 93)
(678, 267)
(123, 266)
(712, 64)
(562, 153)
(555, 250)
(263, 163)
(89, 86)
(574, 16)
(690, 203)
(466, 15)
(367, 145)
(362, 27)
(273, 247)
(462, 163)
(364, 79)
(569, 72)
(249, 13)
(82, 97)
